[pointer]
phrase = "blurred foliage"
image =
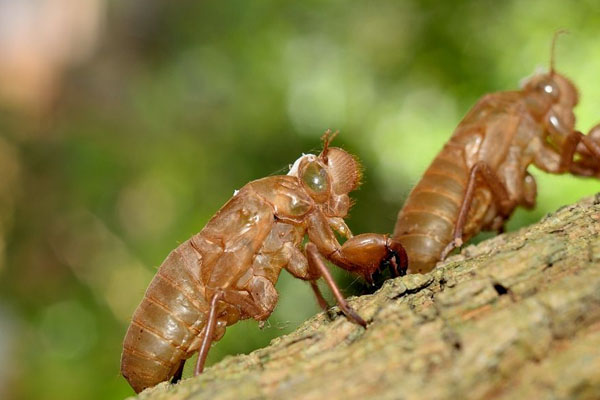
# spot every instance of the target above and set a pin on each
(180, 103)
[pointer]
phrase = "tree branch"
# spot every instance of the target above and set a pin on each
(517, 316)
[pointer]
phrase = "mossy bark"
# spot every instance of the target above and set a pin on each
(515, 317)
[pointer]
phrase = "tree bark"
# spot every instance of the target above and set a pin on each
(515, 317)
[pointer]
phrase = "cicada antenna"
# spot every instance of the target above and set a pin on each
(327, 138)
(553, 48)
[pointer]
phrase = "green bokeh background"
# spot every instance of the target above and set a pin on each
(183, 102)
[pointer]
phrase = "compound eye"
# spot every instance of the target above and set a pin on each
(315, 178)
(550, 88)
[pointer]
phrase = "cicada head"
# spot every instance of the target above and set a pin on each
(555, 88)
(551, 97)
(329, 177)
(552, 86)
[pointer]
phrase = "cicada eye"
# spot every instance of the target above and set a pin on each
(315, 178)
(550, 88)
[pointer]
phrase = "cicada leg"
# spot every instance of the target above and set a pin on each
(315, 261)
(483, 170)
(369, 252)
(320, 299)
(592, 141)
(208, 332)
(589, 163)
(179, 373)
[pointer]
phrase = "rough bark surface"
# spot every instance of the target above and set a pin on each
(515, 317)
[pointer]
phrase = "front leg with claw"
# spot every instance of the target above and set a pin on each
(369, 252)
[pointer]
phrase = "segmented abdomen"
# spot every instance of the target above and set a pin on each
(166, 326)
(426, 222)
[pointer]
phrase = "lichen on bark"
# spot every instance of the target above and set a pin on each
(516, 316)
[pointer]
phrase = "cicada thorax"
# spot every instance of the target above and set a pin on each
(232, 237)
